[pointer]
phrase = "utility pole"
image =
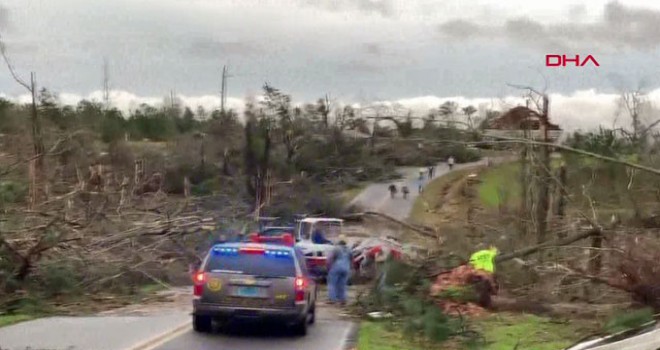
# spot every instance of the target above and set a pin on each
(223, 91)
(106, 85)
(172, 106)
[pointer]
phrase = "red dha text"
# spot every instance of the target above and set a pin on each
(563, 61)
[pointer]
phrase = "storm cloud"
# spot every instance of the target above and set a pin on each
(385, 8)
(354, 50)
(619, 27)
(4, 18)
(213, 48)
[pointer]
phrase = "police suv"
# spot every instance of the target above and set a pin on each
(254, 281)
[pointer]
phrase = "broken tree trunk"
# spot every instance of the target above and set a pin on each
(38, 190)
(563, 182)
(543, 184)
(595, 264)
(186, 187)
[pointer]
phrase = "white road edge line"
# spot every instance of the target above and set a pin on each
(163, 338)
(348, 331)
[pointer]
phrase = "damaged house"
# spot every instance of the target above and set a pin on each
(521, 122)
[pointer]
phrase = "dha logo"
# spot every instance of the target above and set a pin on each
(563, 60)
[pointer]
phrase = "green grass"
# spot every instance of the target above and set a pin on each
(433, 195)
(503, 331)
(500, 185)
(377, 336)
(506, 331)
(6, 320)
(348, 195)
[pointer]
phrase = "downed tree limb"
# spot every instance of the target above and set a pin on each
(181, 225)
(533, 249)
(557, 242)
(424, 231)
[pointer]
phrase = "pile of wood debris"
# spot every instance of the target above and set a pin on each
(464, 291)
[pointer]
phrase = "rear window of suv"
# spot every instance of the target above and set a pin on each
(252, 264)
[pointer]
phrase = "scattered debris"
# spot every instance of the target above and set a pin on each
(464, 290)
(379, 315)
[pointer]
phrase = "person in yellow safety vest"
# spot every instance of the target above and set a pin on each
(484, 259)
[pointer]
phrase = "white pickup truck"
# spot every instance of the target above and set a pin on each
(315, 253)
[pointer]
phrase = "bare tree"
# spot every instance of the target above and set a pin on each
(543, 175)
(447, 111)
(469, 111)
(38, 186)
(638, 108)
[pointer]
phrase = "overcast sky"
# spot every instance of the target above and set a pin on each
(418, 51)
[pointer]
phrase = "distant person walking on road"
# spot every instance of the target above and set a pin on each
(405, 192)
(450, 162)
(339, 269)
(393, 191)
(431, 171)
(420, 183)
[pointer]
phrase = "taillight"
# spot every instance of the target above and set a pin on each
(200, 281)
(300, 285)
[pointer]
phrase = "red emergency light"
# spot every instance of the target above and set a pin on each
(283, 239)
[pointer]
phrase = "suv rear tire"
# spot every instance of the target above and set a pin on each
(300, 328)
(202, 324)
(312, 315)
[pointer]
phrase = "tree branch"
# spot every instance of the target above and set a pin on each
(3, 52)
(422, 231)
(557, 242)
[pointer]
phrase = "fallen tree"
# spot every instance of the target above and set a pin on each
(422, 230)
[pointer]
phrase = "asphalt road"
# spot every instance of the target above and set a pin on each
(137, 327)
(376, 197)
(645, 341)
(87, 333)
(324, 334)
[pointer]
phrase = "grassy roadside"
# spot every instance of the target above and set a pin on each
(503, 331)
(378, 336)
(8, 320)
(506, 331)
(348, 195)
(500, 331)
(433, 196)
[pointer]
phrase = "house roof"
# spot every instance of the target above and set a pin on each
(519, 118)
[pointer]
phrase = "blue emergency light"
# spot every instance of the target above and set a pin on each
(278, 253)
(223, 250)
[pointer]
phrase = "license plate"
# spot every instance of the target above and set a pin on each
(250, 292)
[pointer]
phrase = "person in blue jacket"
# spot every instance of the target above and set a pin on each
(339, 269)
(319, 238)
